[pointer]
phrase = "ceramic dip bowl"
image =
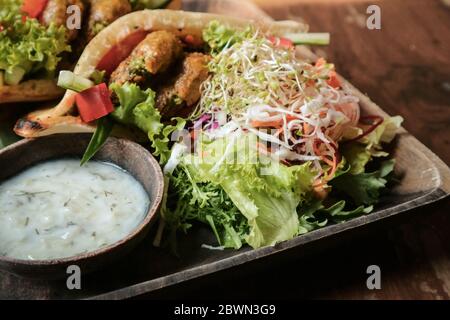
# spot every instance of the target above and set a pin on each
(132, 162)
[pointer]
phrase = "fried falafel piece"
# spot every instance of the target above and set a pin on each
(104, 12)
(183, 91)
(155, 54)
(56, 12)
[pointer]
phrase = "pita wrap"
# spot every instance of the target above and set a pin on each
(61, 118)
(45, 89)
(31, 90)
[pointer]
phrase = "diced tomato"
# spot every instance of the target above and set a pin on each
(120, 51)
(333, 80)
(24, 18)
(33, 8)
(281, 42)
(320, 62)
(311, 83)
(94, 103)
(192, 41)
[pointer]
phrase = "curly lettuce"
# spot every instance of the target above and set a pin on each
(26, 46)
(137, 107)
(266, 192)
(218, 36)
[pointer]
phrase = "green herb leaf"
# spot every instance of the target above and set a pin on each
(102, 132)
(98, 76)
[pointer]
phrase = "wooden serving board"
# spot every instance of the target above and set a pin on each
(425, 179)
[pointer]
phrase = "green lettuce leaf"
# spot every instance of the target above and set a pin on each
(218, 36)
(266, 192)
(129, 95)
(28, 47)
(137, 107)
(161, 142)
(357, 156)
(207, 202)
(384, 133)
(364, 188)
(314, 215)
(359, 153)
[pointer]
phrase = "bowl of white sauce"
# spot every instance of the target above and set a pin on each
(55, 213)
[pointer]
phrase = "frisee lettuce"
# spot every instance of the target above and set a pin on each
(246, 197)
(265, 191)
(207, 202)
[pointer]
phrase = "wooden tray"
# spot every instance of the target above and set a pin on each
(425, 179)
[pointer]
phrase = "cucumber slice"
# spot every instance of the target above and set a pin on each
(149, 4)
(321, 39)
(14, 76)
(70, 81)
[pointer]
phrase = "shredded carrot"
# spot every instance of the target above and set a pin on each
(320, 189)
(266, 124)
(306, 128)
(193, 134)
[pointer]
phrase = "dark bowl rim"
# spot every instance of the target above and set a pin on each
(151, 212)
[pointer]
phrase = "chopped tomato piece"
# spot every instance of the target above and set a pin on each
(192, 41)
(281, 42)
(33, 8)
(333, 80)
(120, 51)
(94, 103)
(320, 62)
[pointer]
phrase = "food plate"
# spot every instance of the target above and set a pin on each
(425, 179)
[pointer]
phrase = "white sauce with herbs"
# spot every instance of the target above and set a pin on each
(58, 209)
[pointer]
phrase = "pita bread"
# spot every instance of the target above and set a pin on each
(60, 119)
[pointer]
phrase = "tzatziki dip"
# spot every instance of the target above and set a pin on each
(58, 209)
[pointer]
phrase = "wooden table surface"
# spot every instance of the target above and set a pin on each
(405, 68)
